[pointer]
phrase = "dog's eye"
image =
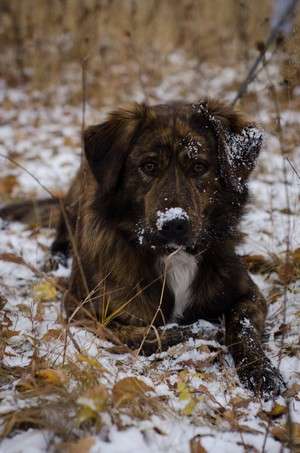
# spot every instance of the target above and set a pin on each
(149, 168)
(199, 169)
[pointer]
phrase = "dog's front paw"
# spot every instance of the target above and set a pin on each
(262, 378)
(52, 262)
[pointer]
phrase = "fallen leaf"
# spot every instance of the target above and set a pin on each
(282, 330)
(277, 410)
(8, 183)
(183, 390)
(296, 434)
(92, 402)
(53, 334)
(82, 445)
(280, 433)
(204, 390)
(189, 408)
(292, 391)
(257, 264)
(90, 361)
(26, 383)
(11, 258)
(240, 402)
(24, 309)
(229, 415)
(287, 273)
(195, 445)
(9, 333)
(128, 389)
(52, 376)
(44, 291)
(69, 141)
(185, 393)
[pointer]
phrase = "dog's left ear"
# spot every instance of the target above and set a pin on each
(238, 141)
(107, 145)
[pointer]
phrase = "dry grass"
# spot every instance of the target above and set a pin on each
(41, 40)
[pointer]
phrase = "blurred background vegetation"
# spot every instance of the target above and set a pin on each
(129, 40)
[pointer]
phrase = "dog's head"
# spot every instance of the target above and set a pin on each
(172, 175)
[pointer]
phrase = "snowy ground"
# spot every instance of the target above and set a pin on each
(75, 392)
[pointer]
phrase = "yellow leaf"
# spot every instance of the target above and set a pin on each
(92, 402)
(128, 389)
(277, 410)
(189, 408)
(51, 376)
(44, 291)
(86, 413)
(90, 361)
(183, 391)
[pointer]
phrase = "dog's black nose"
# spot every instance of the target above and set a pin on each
(174, 230)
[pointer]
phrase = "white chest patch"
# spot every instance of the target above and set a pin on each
(181, 270)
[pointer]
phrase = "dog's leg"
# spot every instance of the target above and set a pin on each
(66, 225)
(244, 329)
(61, 243)
(155, 340)
(60, 248)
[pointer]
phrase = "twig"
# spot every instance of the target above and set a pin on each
(293, 167)
(84, 92)
(274, 34)
(124, 305)
(135, 52)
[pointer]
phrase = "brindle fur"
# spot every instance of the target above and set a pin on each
(115, 273)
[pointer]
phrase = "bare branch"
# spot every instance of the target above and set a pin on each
(274, 34)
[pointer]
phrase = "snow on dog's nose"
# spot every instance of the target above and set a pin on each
(173, 225)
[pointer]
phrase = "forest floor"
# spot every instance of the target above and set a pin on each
(74, 391)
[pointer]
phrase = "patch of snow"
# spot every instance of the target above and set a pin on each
(191, 146)
(31, 441)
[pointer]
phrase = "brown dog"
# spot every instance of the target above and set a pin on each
(153, 217)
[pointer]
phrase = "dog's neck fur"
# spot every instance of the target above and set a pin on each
(181, 268)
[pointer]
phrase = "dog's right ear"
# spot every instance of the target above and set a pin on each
(107, 145)
(238, 141)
